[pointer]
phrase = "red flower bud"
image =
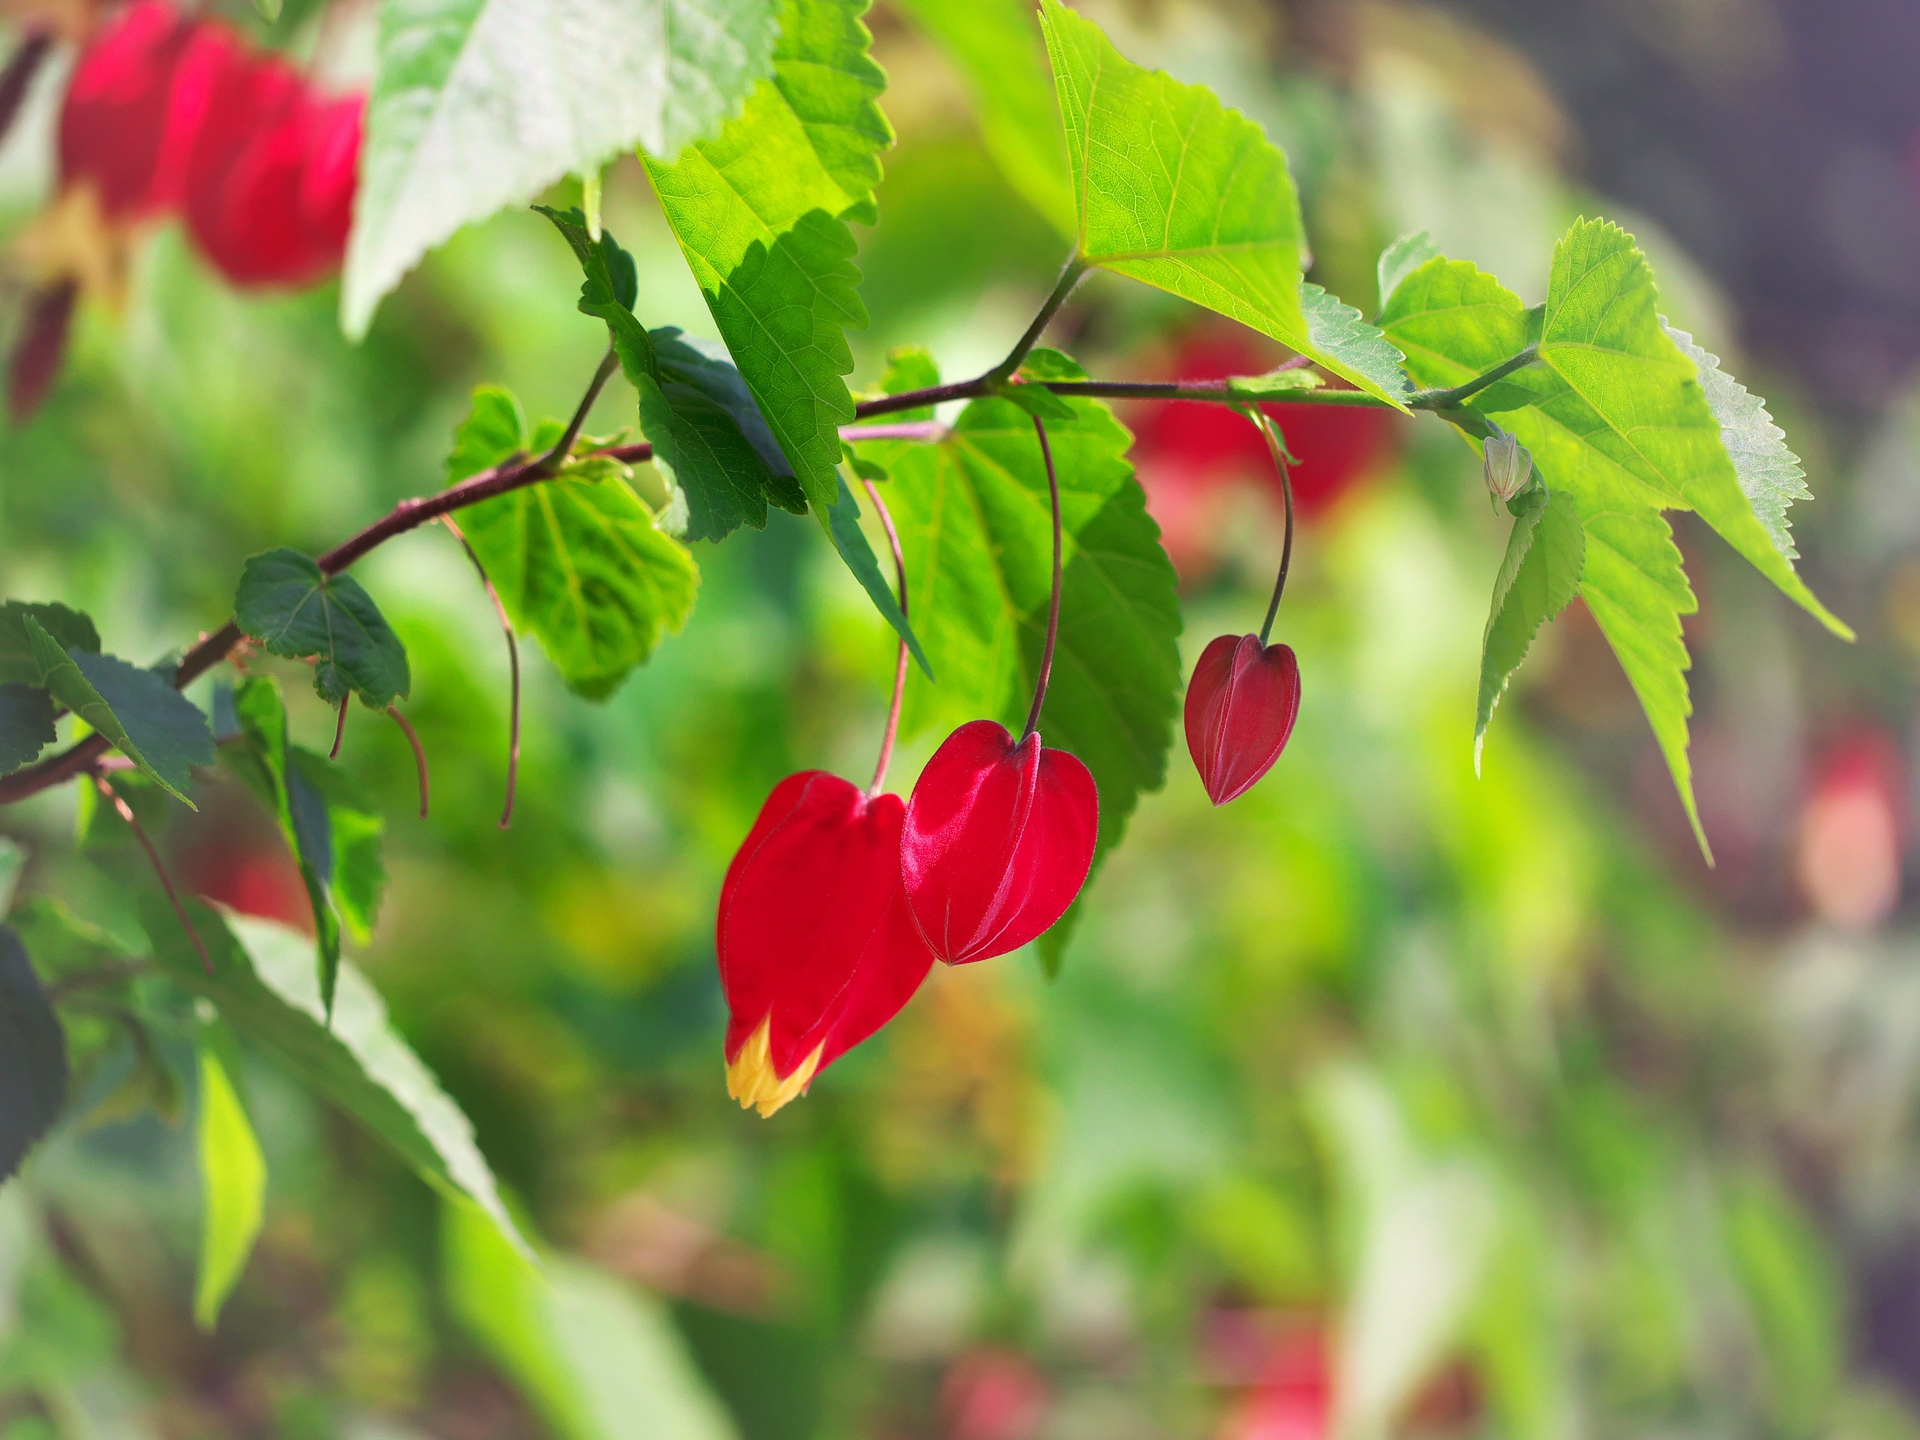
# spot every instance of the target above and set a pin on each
(999, 840)
(817, 948)
(1241, 705)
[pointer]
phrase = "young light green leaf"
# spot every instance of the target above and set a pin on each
(287, 604)
(73, 631)
(148, 721)
(999, 54)
(760, 212)
(1174, 189)
(233, 1186)
(33, 1057)
(1770, 473)
(1451, 320)
(1546, 551)
(1612, 376)
(26, 725)
(600, 1360)
(1340, 339)
(263, 985)
(851, 541)
(976, 527)
(1401, 259)
(1038, 401)
(578, 562)
(1275, 384)
(480, 104)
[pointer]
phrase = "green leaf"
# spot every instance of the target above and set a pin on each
(1770, 474)
(70, 628)
(1401, 259)
(1174, 189)
(1275, 384)
(13, 863)
(1038, 401)
(148, 721)
(291, 608)
(1345, 342)
(1451, 320)
(760, 212)
(1546, 550)
(578, 562)
(851, 541)
(1613, 377)
(33, 1057)
(977, 530)
(233, 1185)
(480, 104)
(999, 54)
(26, 725)
(332, 832)
(264, 986)
(599, 1359)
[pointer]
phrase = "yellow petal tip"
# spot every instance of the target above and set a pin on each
(751, 1078)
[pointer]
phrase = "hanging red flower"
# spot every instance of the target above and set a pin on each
(1241, 705)
(817, 948)
(999, 840)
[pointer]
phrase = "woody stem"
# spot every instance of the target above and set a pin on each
(1053, 602)
(1278, 452)
(900, 665)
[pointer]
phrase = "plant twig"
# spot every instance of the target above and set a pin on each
(554, 458)
(419, 753)
(115, 799)
(513, 661)
(340, 729)
(1069, 277)
(900, 665)
(1053, 604)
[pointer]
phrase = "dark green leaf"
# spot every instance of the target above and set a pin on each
(148, 721)
(357, 877)
(292, 609)
(1176, 190)
(761, 214)
(578, 562)
(73, 631)
(481, 104)
(26, 725)
(33, 1057)
(1546, 551)
(263, 984)
(263, 759)
(977, 529)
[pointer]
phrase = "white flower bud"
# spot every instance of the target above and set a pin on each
(1508, 465)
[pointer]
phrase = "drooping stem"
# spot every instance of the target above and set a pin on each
(114, 798)
(513, 662)
(419, 753)
(900, 665)
(339, 729)
(1277, 451)
(1053, 603)
(1069, 277)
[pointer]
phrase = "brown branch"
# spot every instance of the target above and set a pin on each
(419, 754)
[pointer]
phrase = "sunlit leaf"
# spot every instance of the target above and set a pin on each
(481, 104)
(233, 1184)
(1176, 190)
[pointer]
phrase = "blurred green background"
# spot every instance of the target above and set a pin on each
(1387, 1101)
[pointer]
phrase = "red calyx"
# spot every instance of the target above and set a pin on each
(817, 948)
(1241, 705)
(999, 840)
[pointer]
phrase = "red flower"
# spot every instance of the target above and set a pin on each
(817, 948)
(1241, 705)
(269, 186)
(999, 840)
